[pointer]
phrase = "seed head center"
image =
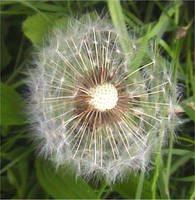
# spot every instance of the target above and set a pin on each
(103, 97)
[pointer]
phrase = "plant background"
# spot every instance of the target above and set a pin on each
(23, 26)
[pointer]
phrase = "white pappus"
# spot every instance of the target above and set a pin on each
(90, 107)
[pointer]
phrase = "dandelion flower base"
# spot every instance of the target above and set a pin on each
(103, 97)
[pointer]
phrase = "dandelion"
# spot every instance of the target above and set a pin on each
(91, 109)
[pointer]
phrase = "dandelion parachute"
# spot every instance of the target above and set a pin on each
(91, 107)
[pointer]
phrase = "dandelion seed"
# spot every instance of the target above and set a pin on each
(91, 109)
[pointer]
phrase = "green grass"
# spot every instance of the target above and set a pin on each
(23, 25)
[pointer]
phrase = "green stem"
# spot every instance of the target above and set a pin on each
(140, 186)
(157, 169)
(102, 190)
(169, 159)
(11, 164)
(30, 5)
(119, 23)
(18, 69)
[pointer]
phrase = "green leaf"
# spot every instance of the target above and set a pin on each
(36, 27)
(13, 153)
(61, 22)
(12, 178)
(179, 152)
(18, 158)
(181, 161)
(6, 146)
(36, 192)
(4, 53)
(12, 106)
(189, 107)
(186, 179)
(6, 186)
(47, 7)
(192, 192)
(23, 174)
(128, 188)
(61, 184)
(164, 21)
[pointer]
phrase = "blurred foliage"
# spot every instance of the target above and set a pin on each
(24, 24)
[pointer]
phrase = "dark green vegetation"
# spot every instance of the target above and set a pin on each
(23, 25)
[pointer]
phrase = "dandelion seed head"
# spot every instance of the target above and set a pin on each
(92, 109)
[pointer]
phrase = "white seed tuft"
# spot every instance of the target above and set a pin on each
(91, 109)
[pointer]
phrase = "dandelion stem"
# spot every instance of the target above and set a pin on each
(169, 163)
(140, 186)
(102, 190)
(158, 163)
(119, 23)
